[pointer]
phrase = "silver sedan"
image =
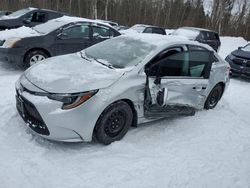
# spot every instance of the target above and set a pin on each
(99, 93)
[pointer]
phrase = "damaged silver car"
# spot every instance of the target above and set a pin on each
(99, 93)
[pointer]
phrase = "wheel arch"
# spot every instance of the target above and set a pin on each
(34, 49)
(135, 115)
(131, 105)
(223, 85)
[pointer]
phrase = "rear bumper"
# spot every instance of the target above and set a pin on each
(11, 55)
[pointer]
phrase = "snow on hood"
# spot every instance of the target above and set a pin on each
(20, 32)
(4, 17)
(71, 74)
(241, 54)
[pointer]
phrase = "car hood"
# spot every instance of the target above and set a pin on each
(71, 74)
(21, 32)
(242, 54)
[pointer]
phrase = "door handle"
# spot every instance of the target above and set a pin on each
(199, 88)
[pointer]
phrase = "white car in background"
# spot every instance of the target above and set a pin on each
(107, 88)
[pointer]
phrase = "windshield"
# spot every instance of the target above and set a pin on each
(189, 33)
(49, 26)
(120, 52)
(138, 28)
(19, 13)
(246, 48)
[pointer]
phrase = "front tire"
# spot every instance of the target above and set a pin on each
(34, 56)
(214, 97)
(113, 123)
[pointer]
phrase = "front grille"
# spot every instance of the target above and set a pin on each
(238, 61)
(31, 116)
(242, 62)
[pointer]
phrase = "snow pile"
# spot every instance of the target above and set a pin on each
(210, 149)
(229, 44)
(128, 31)
(21, 32)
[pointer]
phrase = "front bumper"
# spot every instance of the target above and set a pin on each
(238, 69)
(11, 55)
(46, 118)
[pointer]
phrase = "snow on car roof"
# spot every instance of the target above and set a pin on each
(69, 19)
(160, 40)
(55, 24)
(42, 29)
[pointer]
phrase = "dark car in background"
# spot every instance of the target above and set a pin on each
(141, 28)
(28, 17)
(239, 61)
(4, 13)
(201, 35)
(56, 37)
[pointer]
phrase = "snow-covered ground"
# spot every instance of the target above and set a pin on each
(211, 149)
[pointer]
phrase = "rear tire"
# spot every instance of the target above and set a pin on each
(113, 123)
(214, 97)
(34, 56)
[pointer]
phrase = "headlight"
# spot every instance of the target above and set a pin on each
(11, 43)
(231, 56)
(72, 100)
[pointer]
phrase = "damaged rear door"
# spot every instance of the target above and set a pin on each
(176, 82)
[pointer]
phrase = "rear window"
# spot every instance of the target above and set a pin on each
(49, 26)
(210, 35)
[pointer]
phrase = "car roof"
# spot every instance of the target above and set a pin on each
(162, 40)
(106, 21)
(47, 10)
(144, 25)
(64, 20)
(198, 29)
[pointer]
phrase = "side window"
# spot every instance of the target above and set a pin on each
(159, 31)
(188, 64)
(198, 62)
(206, 35)
(102, 32)
(217, 36)
(39, 17)
(78, 31)
(148, 30)
(154, 64)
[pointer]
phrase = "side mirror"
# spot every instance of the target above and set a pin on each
(239, 48)
(62, 36)
(26, 21)
(96, 35)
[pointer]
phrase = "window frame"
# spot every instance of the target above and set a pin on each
(185, 50)
(61, 30)
(111, 33)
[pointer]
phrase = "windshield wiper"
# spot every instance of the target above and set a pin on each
(101, 62)
(105, 64)
(37, 31)
(84, 57)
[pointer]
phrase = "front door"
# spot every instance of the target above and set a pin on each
(176, 84)
(73, 39)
